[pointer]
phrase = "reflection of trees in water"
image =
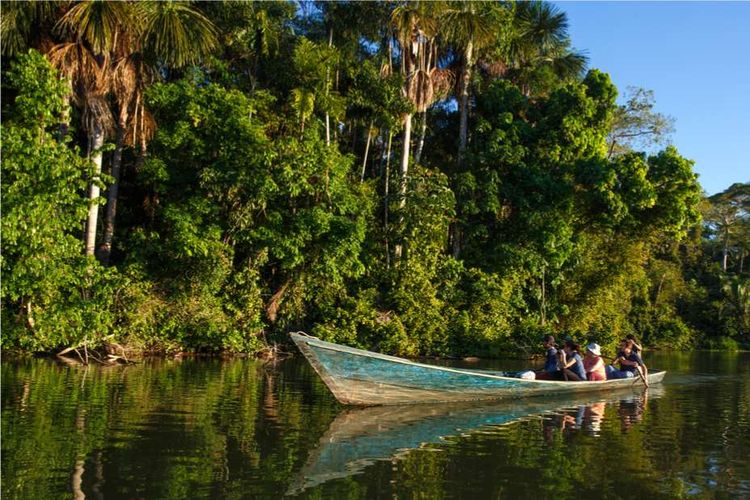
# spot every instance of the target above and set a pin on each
(152, 429)
(270, 403)
(239, 428)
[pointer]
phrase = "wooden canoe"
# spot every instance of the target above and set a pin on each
(363, 378)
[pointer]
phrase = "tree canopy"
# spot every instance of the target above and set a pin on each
(257, 173)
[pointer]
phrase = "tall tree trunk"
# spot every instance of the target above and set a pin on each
(328, 71)
(611, 149)
(328, 129)
(725, 250)
(367, 150)
(96, 141)
(404, 171)
(455, 239)
(386, 197)
(420, 143)
(543, 308)
(111, 213)
(405, 161)
(464, 101)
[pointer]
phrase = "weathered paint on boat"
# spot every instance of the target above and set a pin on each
(364, 378)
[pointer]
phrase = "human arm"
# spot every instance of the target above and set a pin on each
(568, 362)
(630, 362)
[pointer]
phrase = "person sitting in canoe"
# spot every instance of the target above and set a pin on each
(611, 370)
(636, 346)
(572, 366)
(550, 363)
(593, 363)
(630, 363)
(638, 351)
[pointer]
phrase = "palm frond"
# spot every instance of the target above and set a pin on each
(442, 83)
(178, 34)
(18, 22)
(97, 22)
(544, 24)
(76, 62)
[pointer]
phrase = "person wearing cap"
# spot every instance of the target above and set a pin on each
(593, 363)
(550, 364)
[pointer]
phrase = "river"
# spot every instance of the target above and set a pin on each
(246, 429)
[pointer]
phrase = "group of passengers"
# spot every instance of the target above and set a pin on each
(568, 364)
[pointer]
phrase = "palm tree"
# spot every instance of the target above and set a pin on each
(112, 49)
(416, 33)
(539, 40)
(312, 63)
(176, 34)
(171, 33)
(92, 29)
(725, 215)
(472, 25)
(417, 28)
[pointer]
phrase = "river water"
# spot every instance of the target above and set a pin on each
(245, 429)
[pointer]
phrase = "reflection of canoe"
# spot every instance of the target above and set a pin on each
(358, 377)
(359, 437)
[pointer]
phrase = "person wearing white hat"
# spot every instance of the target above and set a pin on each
(593, 363)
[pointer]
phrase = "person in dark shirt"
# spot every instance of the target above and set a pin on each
(550, 362)
(573, 363)
(630, 363)
(637, 349)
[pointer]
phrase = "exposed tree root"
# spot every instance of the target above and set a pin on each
(102, 356)
(272, 353)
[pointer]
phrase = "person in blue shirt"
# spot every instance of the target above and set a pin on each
(550, 370)
(573, 365)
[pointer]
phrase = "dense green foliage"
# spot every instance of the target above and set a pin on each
(52, 294)
(258, 185)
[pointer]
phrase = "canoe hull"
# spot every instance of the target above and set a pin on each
(364, 378)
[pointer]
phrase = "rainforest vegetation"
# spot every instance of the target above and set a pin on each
(420, 178)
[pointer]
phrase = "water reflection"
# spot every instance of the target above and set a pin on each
(358, 438)
(240, 428)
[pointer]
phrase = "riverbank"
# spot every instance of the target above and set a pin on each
(116, 354)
